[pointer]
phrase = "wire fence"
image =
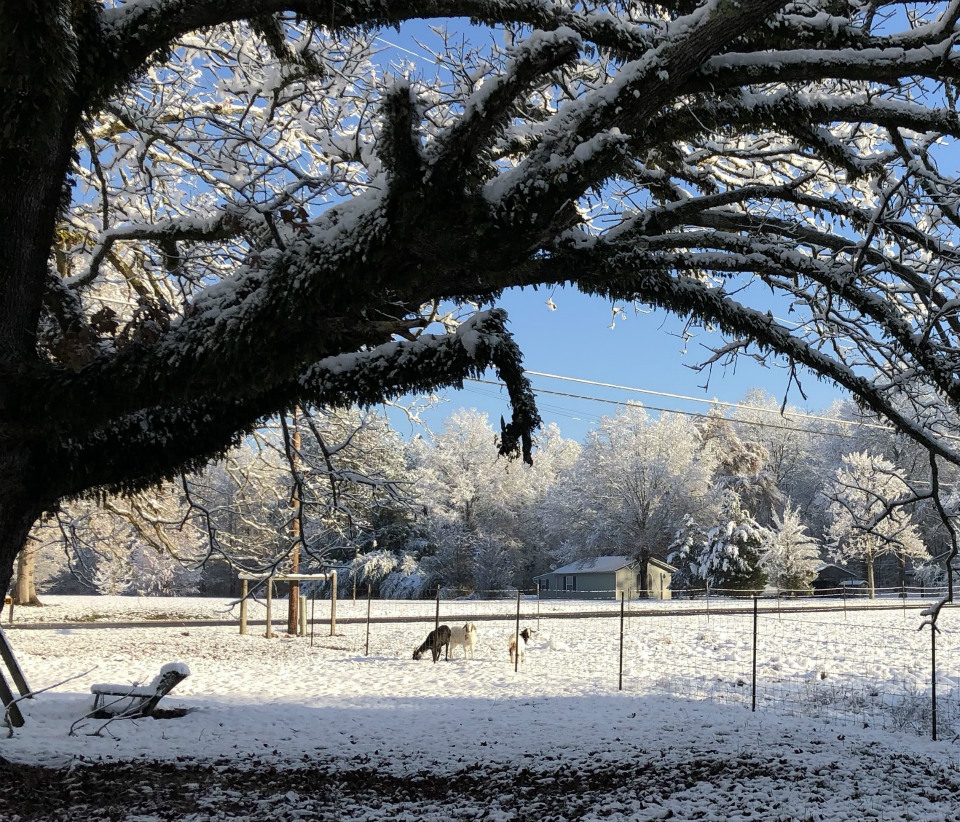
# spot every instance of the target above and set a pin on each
(864, 661)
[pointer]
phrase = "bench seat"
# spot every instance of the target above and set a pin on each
(111, 699)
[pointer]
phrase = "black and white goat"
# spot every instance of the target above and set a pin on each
(464, 636)
(436, 641)
(516, 650)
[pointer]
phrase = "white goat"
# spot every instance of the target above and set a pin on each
(465, 636)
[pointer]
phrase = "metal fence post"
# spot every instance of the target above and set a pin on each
(621, 640)
(516, 637)
(333, 603)
(756, 612)
(933, 678)
(369, 598)
(538, 606)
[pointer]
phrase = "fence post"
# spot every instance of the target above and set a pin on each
(933, 677)
(708, 601)
(369, 598)
(243, 606)
(269, 631)
(516, 637)
(621, 641)
(756, 612)
(333, 603)
(436, 619)
(313, 611)
(538, 606)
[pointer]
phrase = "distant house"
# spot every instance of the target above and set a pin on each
(833, 580)
(607, 578)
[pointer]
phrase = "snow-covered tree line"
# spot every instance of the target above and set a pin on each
(214, 213)
(734, 499)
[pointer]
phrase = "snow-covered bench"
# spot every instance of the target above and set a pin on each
(138, 700)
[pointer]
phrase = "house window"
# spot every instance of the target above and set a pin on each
(545, 584)
(569, 583)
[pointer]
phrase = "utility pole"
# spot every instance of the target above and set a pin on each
(293, 598)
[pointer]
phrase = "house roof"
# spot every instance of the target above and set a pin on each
(596, 565)
(822, 566)
(659, 563)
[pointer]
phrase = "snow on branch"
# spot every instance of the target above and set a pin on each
(193, 229)
(429, 362)
(488, 110)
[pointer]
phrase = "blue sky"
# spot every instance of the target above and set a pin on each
(642, 351)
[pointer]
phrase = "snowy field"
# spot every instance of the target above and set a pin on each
(328, 730)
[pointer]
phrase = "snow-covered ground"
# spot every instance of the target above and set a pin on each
(679, 741)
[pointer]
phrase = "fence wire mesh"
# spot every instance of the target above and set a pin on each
(865, 661)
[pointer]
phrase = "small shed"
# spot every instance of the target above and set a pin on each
(607, 578)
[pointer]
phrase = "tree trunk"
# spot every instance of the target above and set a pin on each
(868, 562)
(25, 592)
(20, 507)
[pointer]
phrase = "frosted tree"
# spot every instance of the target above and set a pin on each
(471, 499)
(741, 464)
(635, 478)
(800, 449)
(213, 212)
(867, 500)
(731, 556)
(791, 555)
(143, 543)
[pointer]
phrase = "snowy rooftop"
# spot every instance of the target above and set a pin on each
(598, 565)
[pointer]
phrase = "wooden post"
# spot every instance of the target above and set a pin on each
(302, 614)
(10, 704)
(333, 603)
(436, 618)
(269, 605)
(243, 606)
(10, 660)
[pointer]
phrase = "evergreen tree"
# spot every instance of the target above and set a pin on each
(732, 551)
(684, 554)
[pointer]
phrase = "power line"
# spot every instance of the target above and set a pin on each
(741, 406)
(697, 414)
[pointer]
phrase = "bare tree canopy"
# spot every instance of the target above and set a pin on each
(211, 211)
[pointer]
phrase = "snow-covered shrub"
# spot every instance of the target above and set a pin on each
(390, 575)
